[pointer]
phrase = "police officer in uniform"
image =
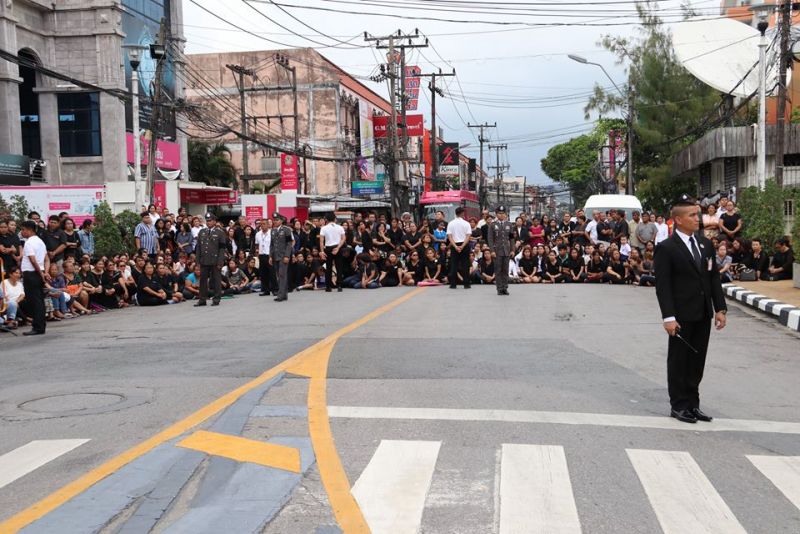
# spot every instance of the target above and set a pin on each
(210, 251)
(280, 251)
(501, 238)
(690, 297)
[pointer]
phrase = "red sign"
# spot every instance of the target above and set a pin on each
(168, 154)
(415, 125)
(253, 213)
(212, 197)
(413, 81)
(159, 194)
(62, 206)
(289, 172)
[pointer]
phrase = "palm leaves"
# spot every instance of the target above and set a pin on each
(211, 164)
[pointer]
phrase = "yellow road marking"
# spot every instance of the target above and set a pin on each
(244, 450)
(81, 484)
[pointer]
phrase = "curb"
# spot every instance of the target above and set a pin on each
(787, 315)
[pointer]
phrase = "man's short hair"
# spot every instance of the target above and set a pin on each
(30, 225)
(460, 210)
(145, 214)
(32, 213)
(784, 242)
(562, 246)
(53, 218)
(330, 217)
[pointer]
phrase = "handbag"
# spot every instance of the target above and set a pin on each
(747, 275)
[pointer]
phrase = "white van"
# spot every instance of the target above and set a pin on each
(603, 203)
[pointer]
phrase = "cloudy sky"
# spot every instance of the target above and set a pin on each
(510, 56)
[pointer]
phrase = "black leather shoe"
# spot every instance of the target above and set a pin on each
(279, 299)
(328, 290)
(215, 303)
(33, 333)
(338, 289)
(453, 287)
(700, 416)
(684, 416)
(263, 294)
(200, 303)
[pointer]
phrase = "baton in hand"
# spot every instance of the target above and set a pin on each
(687, 343)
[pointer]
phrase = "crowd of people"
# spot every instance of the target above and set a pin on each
(368, 251)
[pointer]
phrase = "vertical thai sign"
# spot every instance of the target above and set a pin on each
(289, 172)
(367, 168)
(448, 160)
(412, 75)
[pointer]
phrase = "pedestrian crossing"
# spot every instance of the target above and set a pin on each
(33, 455)
(536, 494)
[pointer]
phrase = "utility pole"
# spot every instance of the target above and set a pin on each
(242, 72)
(629, 189)
(283, 61)
(157, 52)
(399, 189)
(499, 168)
(783, 63)
(434, 152)
(482, 140)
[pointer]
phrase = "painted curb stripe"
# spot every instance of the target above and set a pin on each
(787, 314)
(244, 450)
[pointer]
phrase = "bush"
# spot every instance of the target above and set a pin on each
(107, 236)
(127, 221)
(762, 212)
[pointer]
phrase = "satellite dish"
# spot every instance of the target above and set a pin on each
(721, 51)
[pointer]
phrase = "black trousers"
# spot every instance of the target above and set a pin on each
(331, 260)
(34, 296)
(684, 367)
(213, 272)
(459, 264)
(266, 272)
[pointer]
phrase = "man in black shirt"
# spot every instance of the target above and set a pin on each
(605, 233)
(781, 267)
(565, 228)
(9, 246)
(55, 240)
(621, 228)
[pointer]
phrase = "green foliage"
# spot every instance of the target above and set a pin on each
(658, 193)
(672, 107)
(3, 204)
(107, 237)
(19, 208)
(575, 162)
(211, 164)
(126, 222)
(762, 212)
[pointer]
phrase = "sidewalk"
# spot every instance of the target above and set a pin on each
(779, 299)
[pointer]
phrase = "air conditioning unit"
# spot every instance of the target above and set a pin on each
(271, 165)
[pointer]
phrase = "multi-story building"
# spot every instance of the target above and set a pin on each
(333, 124)
(80, 135)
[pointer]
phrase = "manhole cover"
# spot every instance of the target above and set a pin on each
(72, 402)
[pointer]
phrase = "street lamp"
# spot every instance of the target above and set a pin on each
(628, 118)
(762, 12)
(134, 57)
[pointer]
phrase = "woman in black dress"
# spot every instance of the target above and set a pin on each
(414, 270)
(73, 248)
(150, 292)
(617, 271)
(390, 276)
(552, 270)
(527, 267)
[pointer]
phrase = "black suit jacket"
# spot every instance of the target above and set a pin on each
(684, 291)
(521, 234)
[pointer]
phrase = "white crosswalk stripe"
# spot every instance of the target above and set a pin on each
(783, 471)
(33, 455)
(683, 499)
(535, 491)
(392, 488)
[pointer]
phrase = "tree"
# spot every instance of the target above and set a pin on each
(126, 222)
(575, 163)
(672, 107)
(19, 208)
(107, 236)
(762, 211)
(211, 164)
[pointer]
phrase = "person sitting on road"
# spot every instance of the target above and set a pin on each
(723, 264)
(781, 266)
(553, 270)
(149, 291)
(617, 271)
(757, 259)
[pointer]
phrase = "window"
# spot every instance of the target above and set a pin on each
(79, 124)
(788, 208)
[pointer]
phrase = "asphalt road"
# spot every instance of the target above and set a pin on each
(448, 411)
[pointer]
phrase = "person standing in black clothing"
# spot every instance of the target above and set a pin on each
(35, 265)
(690, 296)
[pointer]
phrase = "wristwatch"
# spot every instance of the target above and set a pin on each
(723, 312)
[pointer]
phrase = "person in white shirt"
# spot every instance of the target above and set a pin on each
(263, 242)
(331, 241)
(35, 264)
(591, 226)
(663, 230)
(12, 293)
(458, 234)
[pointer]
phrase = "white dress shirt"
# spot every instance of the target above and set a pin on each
(459, 229)
(264, 240)
(591, 227)
(34, 246)
(663, 232)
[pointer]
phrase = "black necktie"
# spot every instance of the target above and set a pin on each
(695, 252)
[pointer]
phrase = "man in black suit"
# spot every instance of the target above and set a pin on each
(690, 295)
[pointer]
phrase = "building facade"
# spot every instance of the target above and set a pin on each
(80, 135)
(333, 124)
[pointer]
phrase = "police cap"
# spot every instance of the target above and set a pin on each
(684, 201)
(500, 209)
(211, 217)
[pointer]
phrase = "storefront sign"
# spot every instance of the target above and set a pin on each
(15, 169)
(358, 189)
(168, 154)
(412, 76)
(415, 125)
(289, 172)
(448, 160)
(211, 197)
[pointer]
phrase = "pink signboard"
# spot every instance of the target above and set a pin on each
(168, 154)
(289, 172)
(213, 197)
(253, 213)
